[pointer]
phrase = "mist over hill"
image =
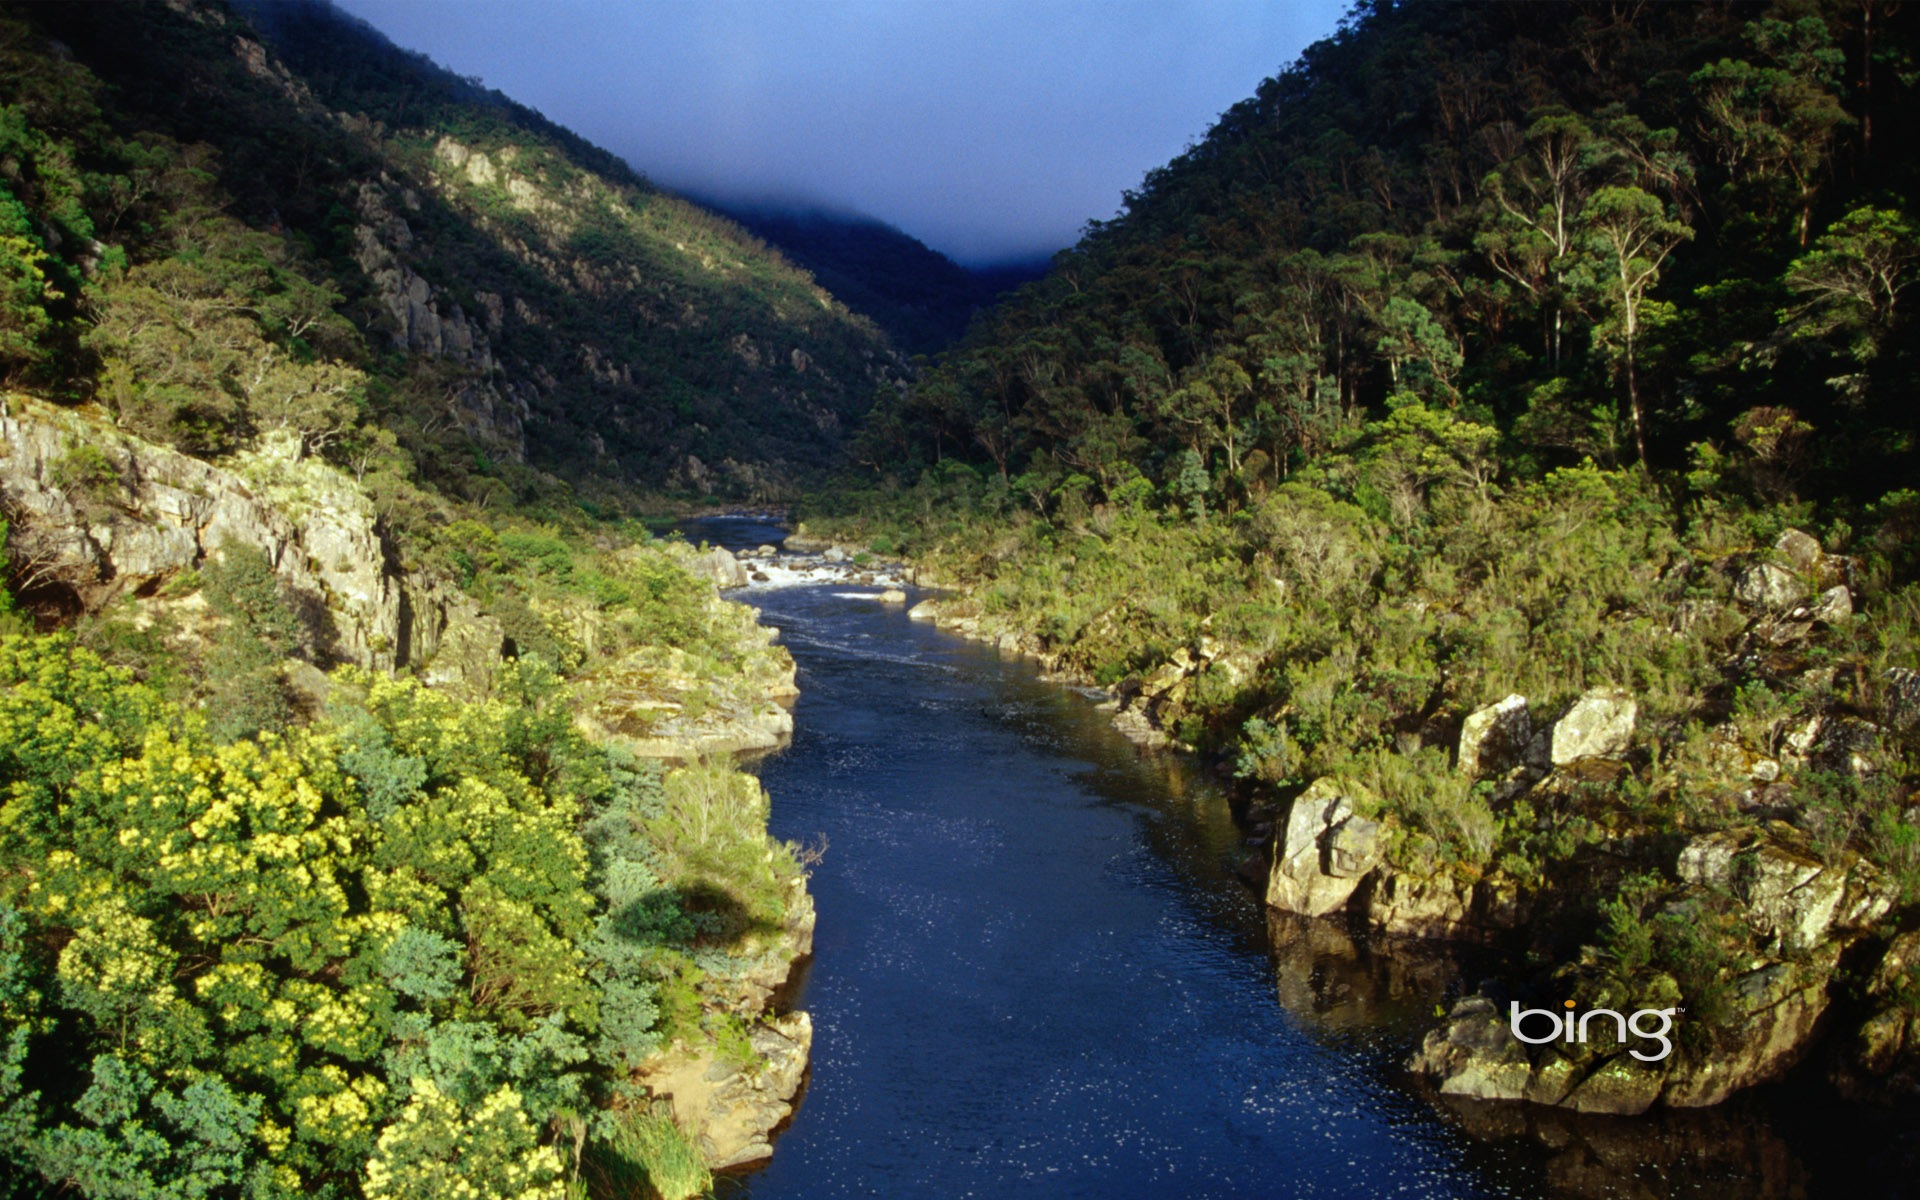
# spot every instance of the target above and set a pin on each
(920, 297)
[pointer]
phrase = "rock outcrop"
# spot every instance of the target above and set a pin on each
(164, 513)
(1492, 739)
(1599, 725)
(730, 1108)
(1793, 900)
(1323, 851)
(1803, 913)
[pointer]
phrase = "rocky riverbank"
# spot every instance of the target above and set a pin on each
(1782, 944)
(108, 531)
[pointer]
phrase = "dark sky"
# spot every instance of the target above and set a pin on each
(989, 129)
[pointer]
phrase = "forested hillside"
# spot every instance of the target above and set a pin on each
(923, 299)
(1617, 232)
(1495, 440)
(478, 283)
(337, 855)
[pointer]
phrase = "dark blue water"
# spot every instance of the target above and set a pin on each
(1036, 976)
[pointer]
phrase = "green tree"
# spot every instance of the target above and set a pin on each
(1629, 237)
(1773, 122)
(1850, 282)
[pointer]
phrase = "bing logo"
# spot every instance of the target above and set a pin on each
(1563, 1027)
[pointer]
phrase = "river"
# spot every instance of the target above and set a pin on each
(1036, 975)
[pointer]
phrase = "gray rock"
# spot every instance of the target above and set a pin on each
(719, 565)
(1801, 550)
(316, 527)
(1599, 725)
(1475, 1055)
(1774, 1011)
(1769, 587)
(1493, 739)
(1834, 606)
(1795, 902)
(1323, 850)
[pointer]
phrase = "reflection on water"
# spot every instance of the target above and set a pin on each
(1036, 975)
(1347, 983)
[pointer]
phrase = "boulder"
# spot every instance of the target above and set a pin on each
(1834, 606)
(1801, 550)
(926, 610)
(1475, 1055)
(719, 565)
(1493, 739)
(1322, 851)
(1775, 1009)
(1599, 725)
(1770, 588)
(893, 596)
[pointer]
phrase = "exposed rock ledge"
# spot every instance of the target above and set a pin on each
(731, 1107)
(81, 549)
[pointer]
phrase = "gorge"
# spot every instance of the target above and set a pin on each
(515, 686)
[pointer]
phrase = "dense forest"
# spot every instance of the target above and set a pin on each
(1500, 369)
(1630, 233)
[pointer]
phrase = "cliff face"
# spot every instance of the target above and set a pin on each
(96, 516)
(147, 514)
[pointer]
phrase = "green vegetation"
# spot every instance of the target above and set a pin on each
(1462, 361)
(417, 942)
(274, 921)
(356, 250)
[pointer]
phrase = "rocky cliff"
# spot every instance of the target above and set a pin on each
(97, 516)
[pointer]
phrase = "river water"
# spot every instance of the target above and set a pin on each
(1035, 974)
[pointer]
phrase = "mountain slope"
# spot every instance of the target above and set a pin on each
(332, 861)
(1442, 202)
(923, 299)
(1494, 443)
(506, 277)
